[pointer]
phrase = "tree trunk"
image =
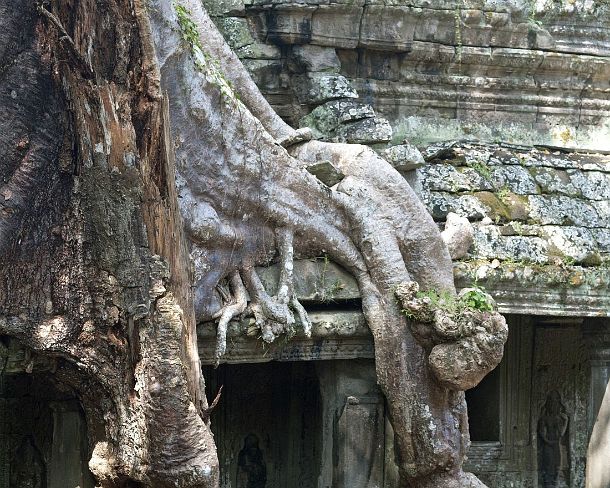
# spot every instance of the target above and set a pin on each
(120, 118)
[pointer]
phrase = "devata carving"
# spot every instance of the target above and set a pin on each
(149, 80)
(251, 469)
(554, 464)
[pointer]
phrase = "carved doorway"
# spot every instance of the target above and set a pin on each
(267, 426)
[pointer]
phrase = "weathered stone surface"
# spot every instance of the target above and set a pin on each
(515, 72)
(562, 210)
(325, 119)
(365, 131)
(404, 157)
(387, 28)
(325, 324)
(289, 25)
(441, 203)
(319, 88)
(266, 72)
(592, 185)
(335, 334)
(553, 180)
(458, 235)
(225, 7)
(445, 177)
(315, 280)
(534, 213)
(515, 179)
(490, 243)
(544, 289)
(326, 172)
(572, 244)
(235, 30)
(337, 25)
(312, 58)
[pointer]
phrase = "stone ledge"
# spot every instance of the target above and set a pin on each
(540, 290)
(335, 335)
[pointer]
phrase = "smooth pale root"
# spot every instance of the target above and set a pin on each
(372, 224)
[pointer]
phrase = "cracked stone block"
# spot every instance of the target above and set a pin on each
(404, 157)
(504, 207)
(326, 118)
(225, 7)
(476, 179)
(603, 212)
(235, 30)
(289, 26)
(317, 88)
(264, 72)
(366, 131)
(593, 185)
(602, 239)
(563, 210)
(553, 180)
(439, 204)
(337, 25)
(489, 243)
(576, 243)
(258, 50)
(516, 179)
(444, 177)
(387, 28)
(326, 172)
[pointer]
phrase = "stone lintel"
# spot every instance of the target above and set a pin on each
(335, 335)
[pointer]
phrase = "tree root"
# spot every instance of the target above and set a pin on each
(273, 315)
(372, 224)
(463, 343)
(228, 312)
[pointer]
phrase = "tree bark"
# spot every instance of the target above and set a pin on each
(132, 141)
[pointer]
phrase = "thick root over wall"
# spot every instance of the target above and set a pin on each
(152, 142)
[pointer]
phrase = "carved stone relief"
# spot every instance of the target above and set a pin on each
(252, 471)
(553, 449)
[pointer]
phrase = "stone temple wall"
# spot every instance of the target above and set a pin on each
(518, 71)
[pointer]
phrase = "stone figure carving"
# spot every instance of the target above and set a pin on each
(552, 428)
(252, 472)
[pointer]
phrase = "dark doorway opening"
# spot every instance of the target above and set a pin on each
(268, 424)
(43, 437)
(484, 409)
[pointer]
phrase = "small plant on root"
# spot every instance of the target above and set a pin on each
(464, 335)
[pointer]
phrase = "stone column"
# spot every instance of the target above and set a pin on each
(353, 431)
(597, 337)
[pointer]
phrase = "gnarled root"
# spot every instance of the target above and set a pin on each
(273, 315)
(464, 343)
(228, 312)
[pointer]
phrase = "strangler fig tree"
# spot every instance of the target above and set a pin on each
(144, 178)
